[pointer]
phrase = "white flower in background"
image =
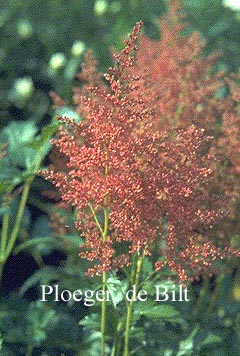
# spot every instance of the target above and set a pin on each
(23, 87)
(232, 4)
(78, 48)
(24, 28)
(100, 7)
(21, 91)
(57, 61)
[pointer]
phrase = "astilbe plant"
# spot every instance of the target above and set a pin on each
(180, 77)
(184, 89)
(138, 171)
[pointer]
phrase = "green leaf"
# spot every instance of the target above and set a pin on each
(41, 142)
(117, 289)
(17, 134)
(41, 244)
(10, 177)
(186, 347)
(219, 27)
(210, 339)
(147, 267)
(91, 321)
(40, 316)
(160, 312)
(42, 276)
(45, 244)
(25, 150)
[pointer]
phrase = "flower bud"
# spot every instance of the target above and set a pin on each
(57, 61)
(78, 48)
(100, 7)
(24, 87)
(24, 29)
(22, 90)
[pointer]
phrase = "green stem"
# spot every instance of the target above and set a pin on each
(116, 346)
(3, 244)
(103, 315)
(1, 273)
(200, 301)
(134, 269)
(104, 232)
(4, 234)
(7, 243)
(104, 283)
(106, 222)
(215, 295)
(131, 306)
(95, 218)
(15, 230)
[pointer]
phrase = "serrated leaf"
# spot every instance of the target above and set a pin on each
(39, 317)
(42, 276)
(91, 321)
(42, 243)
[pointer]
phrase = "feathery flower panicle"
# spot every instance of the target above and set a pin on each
(181, 87)
(104, 182)
(136, 170)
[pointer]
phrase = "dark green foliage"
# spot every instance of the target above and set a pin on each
(33, 33)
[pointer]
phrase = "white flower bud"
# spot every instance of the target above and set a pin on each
(24, 28)
(100, 7)
(23, 87)
(78, 48)
(57, 61)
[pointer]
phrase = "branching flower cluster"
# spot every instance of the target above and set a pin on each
(138, 168)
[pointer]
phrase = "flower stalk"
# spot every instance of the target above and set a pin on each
(103, 315)
(8, 241)
(104, 286)
(137, 272)
(14, 233)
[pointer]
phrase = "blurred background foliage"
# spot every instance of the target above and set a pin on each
(42, 47)
(42, 43)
